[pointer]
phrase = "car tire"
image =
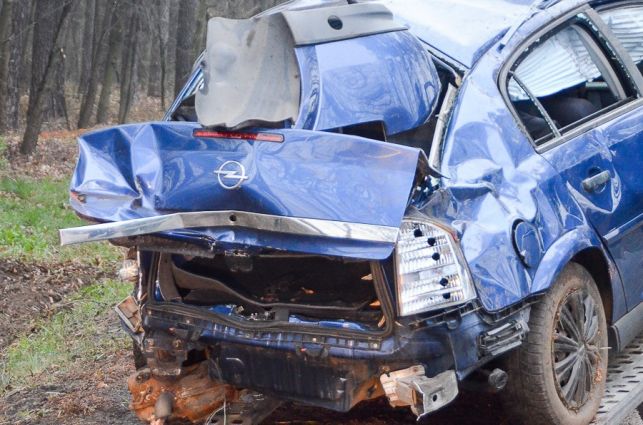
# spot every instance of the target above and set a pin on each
(557, 375)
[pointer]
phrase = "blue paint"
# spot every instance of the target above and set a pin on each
(385, 77)
(143, 170)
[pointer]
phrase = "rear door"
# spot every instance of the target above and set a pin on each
(624, 140)
(585, 119)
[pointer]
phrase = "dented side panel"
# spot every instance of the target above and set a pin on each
(497, 180)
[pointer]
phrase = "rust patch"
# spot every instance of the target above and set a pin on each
(194, 395)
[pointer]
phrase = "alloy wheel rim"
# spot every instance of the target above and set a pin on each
(576, 352)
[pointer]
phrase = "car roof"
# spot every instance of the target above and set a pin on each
(460, 29)
(463, 29)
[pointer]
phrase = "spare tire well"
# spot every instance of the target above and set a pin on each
(593, 260)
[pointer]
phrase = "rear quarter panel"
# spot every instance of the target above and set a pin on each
(495, 179)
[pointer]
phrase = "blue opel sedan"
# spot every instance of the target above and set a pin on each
(392, 198)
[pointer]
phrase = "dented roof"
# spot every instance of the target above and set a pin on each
(461, 29)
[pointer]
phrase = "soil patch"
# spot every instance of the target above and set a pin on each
(29, 292)
(91, 392)
(55, 157)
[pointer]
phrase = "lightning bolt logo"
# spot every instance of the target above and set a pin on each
(231, 174)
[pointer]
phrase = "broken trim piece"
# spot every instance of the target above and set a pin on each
(411, 387)
(227, 219)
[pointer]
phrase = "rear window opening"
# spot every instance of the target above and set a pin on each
(278, 289)
(186, 110)
(419, 137)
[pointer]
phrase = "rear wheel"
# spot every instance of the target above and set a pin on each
(558, 374)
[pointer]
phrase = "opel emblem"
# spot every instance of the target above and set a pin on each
(231, 175)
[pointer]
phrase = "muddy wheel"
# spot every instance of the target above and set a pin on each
(558, 374)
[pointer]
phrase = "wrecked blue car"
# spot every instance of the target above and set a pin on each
(396, 198)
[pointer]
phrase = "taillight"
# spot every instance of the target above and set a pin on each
(238, 135)
(431, 271)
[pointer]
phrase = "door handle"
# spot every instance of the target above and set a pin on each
(595, 182)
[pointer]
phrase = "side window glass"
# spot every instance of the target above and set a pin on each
(627, 25)
(560, 82)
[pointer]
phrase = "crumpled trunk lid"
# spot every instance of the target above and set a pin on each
(315, 179)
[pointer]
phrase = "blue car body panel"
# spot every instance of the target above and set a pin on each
(384, 77)
(621, 224)
(497, 180)
(143, 170)
(492, 166)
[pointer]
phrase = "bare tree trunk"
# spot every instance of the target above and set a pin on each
(154, 74)
(87, 52)
(43, 42)
(25, 70)
(115, 45)
(184, 40)
(58, 102)
(16, 46)
(73, 44)
(170, 47)
(98, 61)
(201, 29)
(5, 33)
(128, 67)
(159, 15)
(46, 10)
(144, 52)
(163, 37)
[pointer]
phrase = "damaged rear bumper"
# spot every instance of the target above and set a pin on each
(230, 219)
(330, 371)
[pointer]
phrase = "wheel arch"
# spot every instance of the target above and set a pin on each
(594, 261)
(582, 246)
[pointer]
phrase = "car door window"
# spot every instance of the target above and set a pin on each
(561, 81)
(627, 25)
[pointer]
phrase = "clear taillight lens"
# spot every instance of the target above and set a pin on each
(431, 273)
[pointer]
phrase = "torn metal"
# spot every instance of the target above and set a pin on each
(411, 387)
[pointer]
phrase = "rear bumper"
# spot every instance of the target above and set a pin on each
(327, 371)
(230, 219)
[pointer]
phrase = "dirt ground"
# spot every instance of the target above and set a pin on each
(29, 292)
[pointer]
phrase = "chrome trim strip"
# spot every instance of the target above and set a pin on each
(270, 223)
(438, 135)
